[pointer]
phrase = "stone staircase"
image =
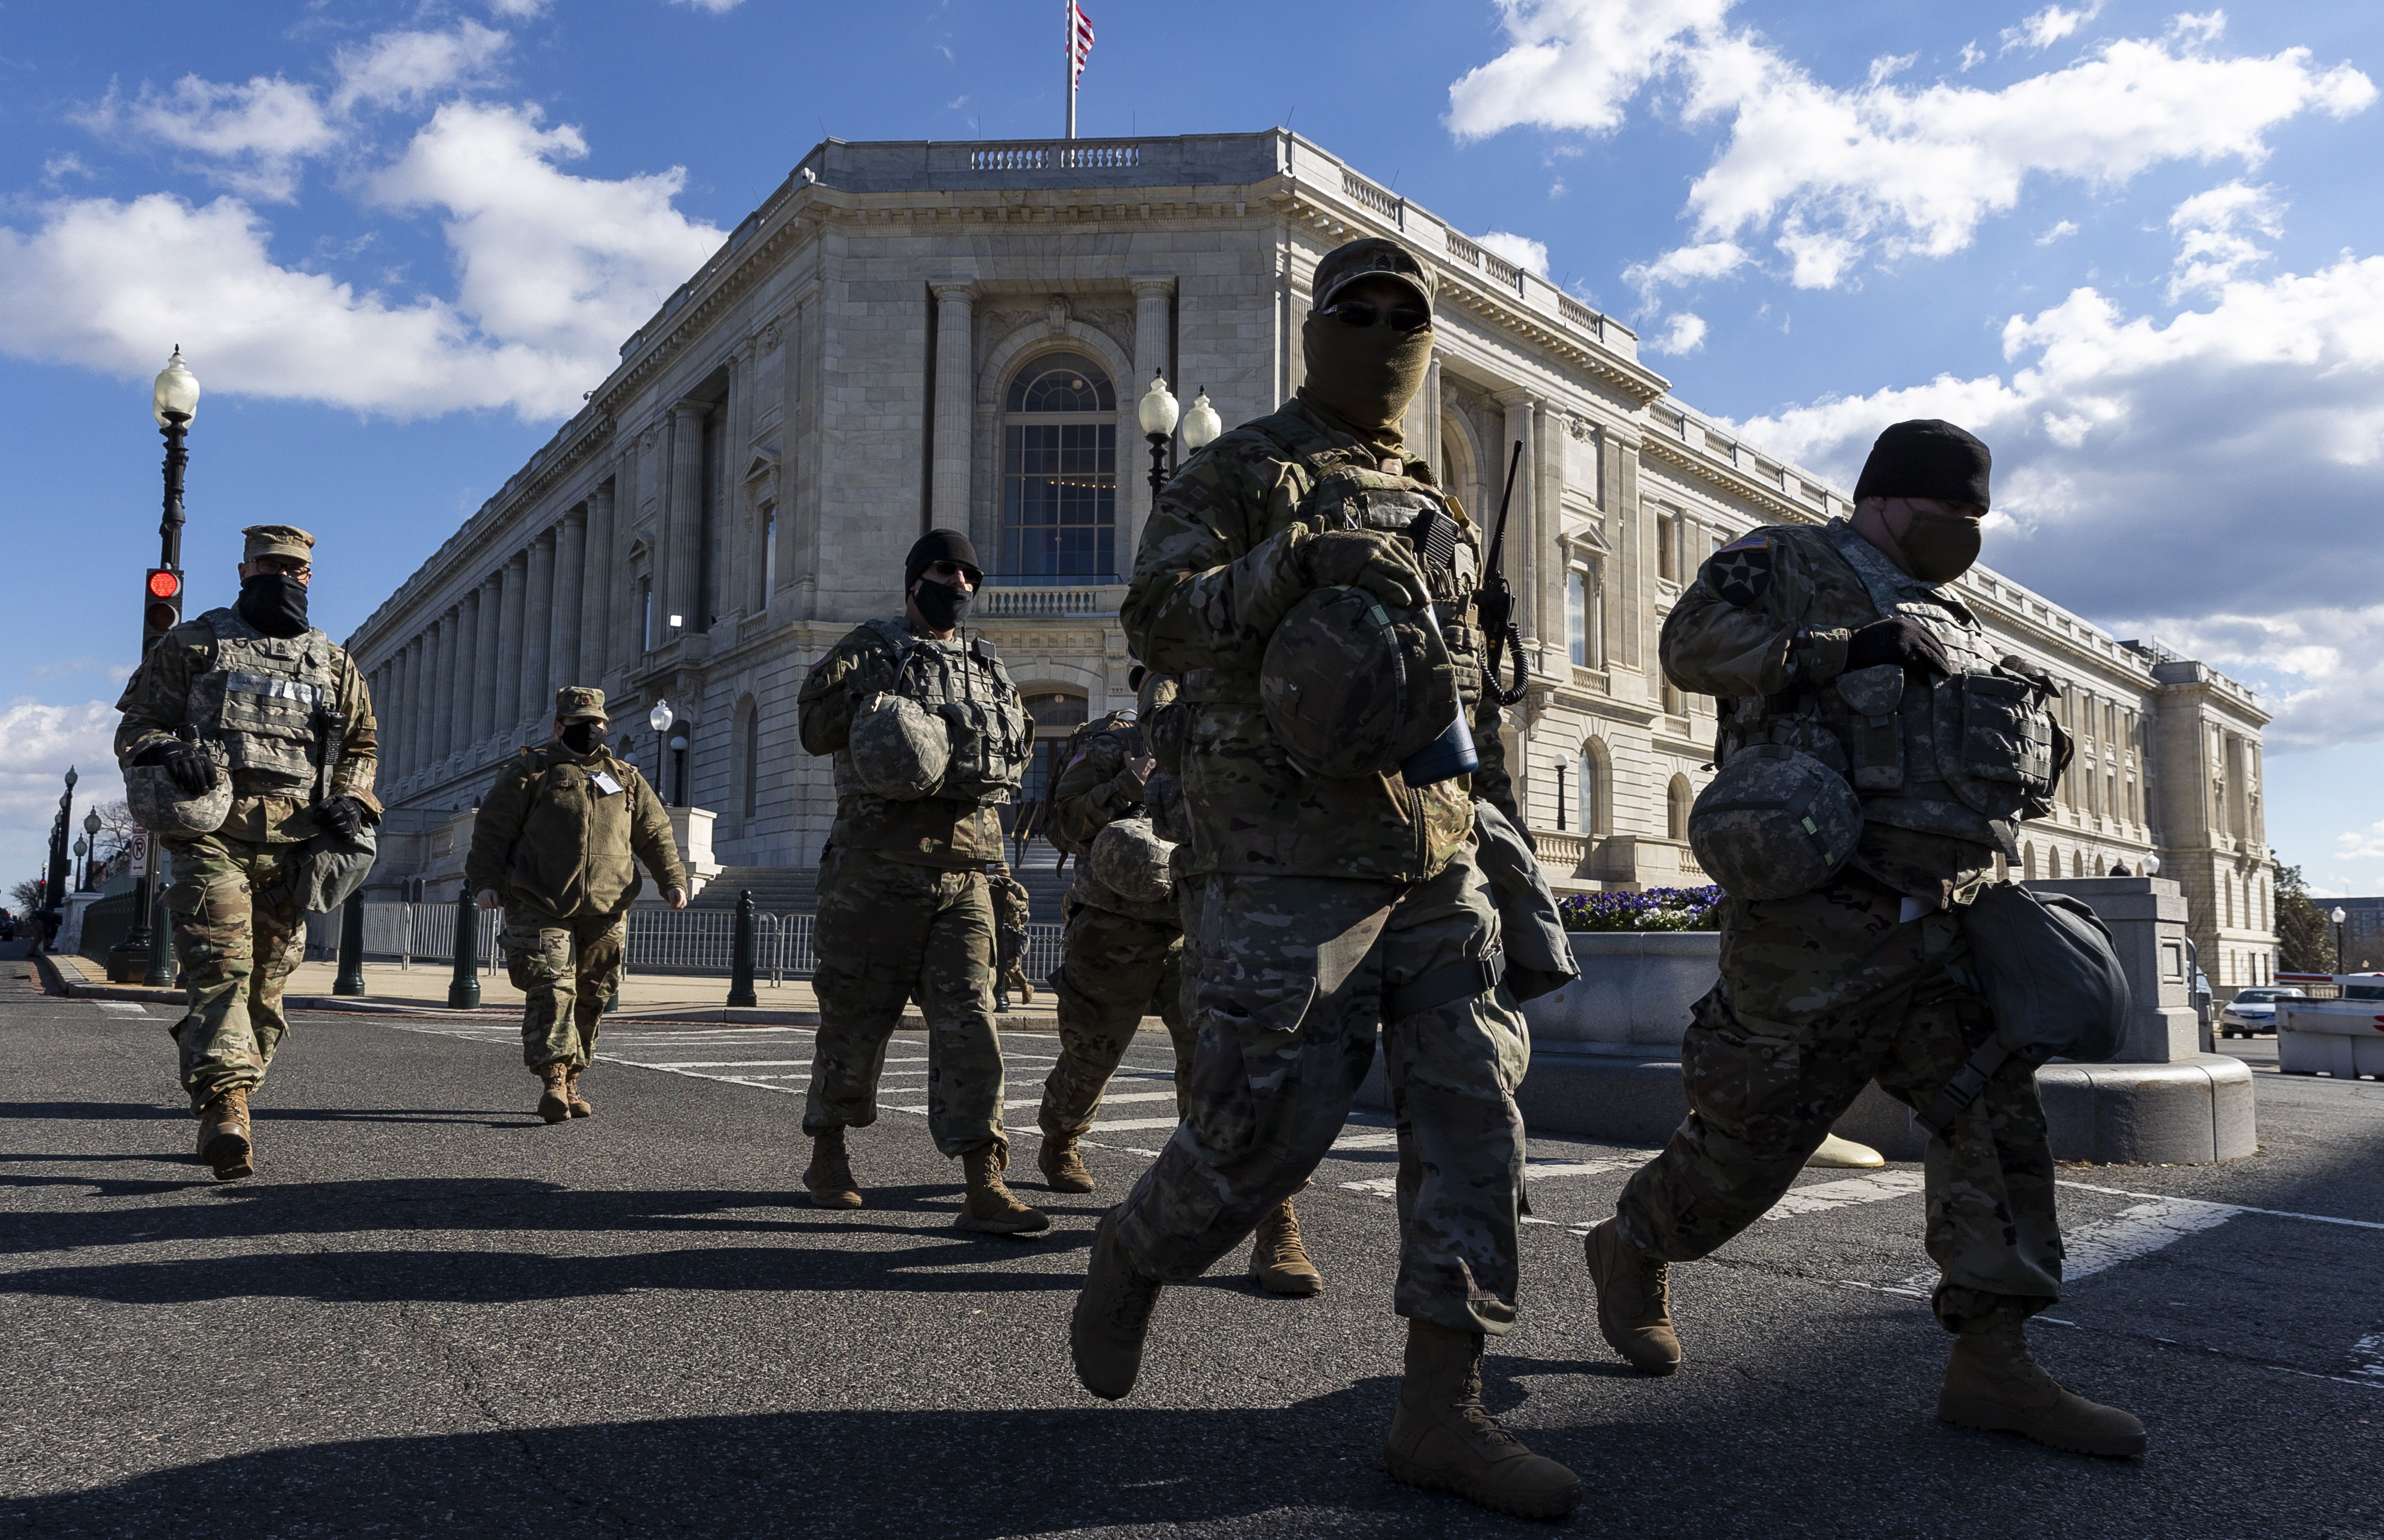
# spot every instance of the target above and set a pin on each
(795, 889)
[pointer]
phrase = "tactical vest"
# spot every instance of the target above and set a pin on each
(266, 700)
(1967, 756)
(1048, 820)
(969, 690)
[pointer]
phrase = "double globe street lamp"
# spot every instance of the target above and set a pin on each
(1158, 414)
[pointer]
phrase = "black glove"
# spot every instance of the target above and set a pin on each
(192, 770)
(343, 816)
(1902, 640)
(2046, 685)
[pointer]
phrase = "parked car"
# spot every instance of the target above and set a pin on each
(2253, 1012)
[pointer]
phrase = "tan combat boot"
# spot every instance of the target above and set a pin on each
(224, 1142)
(580, 1106)
(1991, 1383)
(555, 1103)
(829, 1177)
(1113, 1313)
(1442, 1439)
(990, 1206)
(1634, 1306)
(1063, 1168)
(1278, 1260)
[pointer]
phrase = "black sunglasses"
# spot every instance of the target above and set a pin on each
(1366, 313)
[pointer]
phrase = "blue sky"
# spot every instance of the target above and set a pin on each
(2136, 248)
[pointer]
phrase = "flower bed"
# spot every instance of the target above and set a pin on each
(1654, 909)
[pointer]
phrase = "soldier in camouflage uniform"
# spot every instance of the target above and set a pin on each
(1116, 956)
(904, 901)
(1838, 641)
(1012, 913)
(277, 696)
(558, 845)
(1331, 907)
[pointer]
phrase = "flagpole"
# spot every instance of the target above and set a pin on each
(1068, 59)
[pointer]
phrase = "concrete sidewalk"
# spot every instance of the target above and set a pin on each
(422, 990)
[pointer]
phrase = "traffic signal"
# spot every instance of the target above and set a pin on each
(161, 606)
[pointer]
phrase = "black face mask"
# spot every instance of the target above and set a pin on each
(941, 605)
(274, 602)
(583, 738)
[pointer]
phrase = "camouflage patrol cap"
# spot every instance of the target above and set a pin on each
(1130, 860)
(1370, 257)
(899, 750)
(579, 703)
(277, 539)
(1774, 822)
(1352, 688)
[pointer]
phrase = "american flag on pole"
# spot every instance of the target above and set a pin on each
(1080, 40)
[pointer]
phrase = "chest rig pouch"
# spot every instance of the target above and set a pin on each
(266, 701)
(1435, 528)
(969, 691)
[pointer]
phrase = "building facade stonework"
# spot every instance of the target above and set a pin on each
(917, 334)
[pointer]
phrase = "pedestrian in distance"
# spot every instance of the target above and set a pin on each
(929, 740)
(1874, 759)
(1310, 584)
(1012, 910)
(248, 746)
(557, 846)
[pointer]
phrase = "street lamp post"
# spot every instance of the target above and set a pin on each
(660, 720)
(174, 401)
(1157, 413)
(91, 832)
(2339, 916)
(82, 860)
(59, 848)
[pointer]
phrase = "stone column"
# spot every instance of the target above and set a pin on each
(955, 403)
(683, 522)
(538, 656)
(1151, 296)
(401, 708)
(570, 580)
(595, 610)
(463, 684)
(442, 691)
(1523, 533)
(384, 703)
(483, 682)
(511, 624)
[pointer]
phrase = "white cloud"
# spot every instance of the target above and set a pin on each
(38, 742)
(1684, 264)
(2366, 844)
(2215, 233)
(2141, 465)
(2061, 231)
(1683, 333)
(403, 68)
(717, 7)
(2049, 26)
(1837, 175)
(256, 135)
(1521, 250)
(519, 10)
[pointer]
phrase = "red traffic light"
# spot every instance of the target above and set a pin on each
(165, 583)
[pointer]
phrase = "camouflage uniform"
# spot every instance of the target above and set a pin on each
(904, 901)
(1115, 957)
(1823, 991)
(240, 927)
(1325, 907)
(563, 853)
(1012, 912)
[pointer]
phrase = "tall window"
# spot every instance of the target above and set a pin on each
(1059, 472)
(1676, 809)
(646, 612)
(769, 554)
(1668, 546)
(748, 729)
(1577, 618)
(1592, 786)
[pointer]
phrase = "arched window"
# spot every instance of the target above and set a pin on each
(2053, 862)
(1676, 809)
(1057, 713)
(1593, 788)
(1059, 472)
(2028, 862)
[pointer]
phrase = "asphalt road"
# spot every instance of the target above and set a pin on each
(431, 1314)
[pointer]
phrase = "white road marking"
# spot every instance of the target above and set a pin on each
(122, 1007)
(2369, 1353)
(2237, 1207)
(1876, 1187)
(2138, 1230)
(1378, 1186)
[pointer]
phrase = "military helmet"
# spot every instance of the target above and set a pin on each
(1773, 823)
(1130, 860)
(1351, 687)
(899, 750)
(160, 806)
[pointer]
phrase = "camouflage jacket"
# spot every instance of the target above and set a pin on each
(1097, 786)
(550, 837)
(1766, 626)
(1218, 569)
(1012, 912)
(264, 809)
(927, 832)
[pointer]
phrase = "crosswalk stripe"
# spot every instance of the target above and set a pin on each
(1875, 1187)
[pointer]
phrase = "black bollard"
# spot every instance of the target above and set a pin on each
(463, 994)
(350, 980)
(740, 962)
(161, 936)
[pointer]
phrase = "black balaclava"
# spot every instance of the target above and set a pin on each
(275, 602)
(941, 605)
(583, 736)
(1932, 458)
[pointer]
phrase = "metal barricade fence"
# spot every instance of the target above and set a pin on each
(425, 933)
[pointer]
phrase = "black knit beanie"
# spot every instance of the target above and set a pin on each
(1926, 457)
(941, 545)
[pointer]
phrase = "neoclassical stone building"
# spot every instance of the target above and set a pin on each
(915, 334)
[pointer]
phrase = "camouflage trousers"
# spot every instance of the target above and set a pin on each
(238, 935)
(570, 971)
(1819, 994)
(1111, 967)
(886, 929)
(1294, 975)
